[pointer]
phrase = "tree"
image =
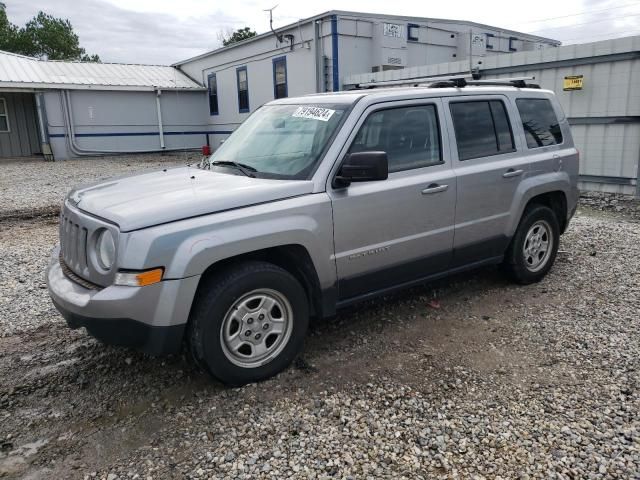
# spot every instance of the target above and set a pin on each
(8, 32)
(238, 36)
(44, 36)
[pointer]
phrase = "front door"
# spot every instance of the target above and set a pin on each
(391, 232)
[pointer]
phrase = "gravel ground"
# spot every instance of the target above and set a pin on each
(492, 381)
(625, 205)
(36, 187)
(25, 249)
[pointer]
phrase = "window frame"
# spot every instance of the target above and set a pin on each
(213, 112)
(5, 115)
(488, 46)
(487, 100)
(238, 70)
(558, 119)
(275, 62)
(411, 38)
(368, 114)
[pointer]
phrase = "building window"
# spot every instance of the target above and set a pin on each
(489, 42)
(541, 127)
(212, 85)
(413, 32)
(4, 116)
(511, 47)
(243, 89)
(280, 77)
(482, 129)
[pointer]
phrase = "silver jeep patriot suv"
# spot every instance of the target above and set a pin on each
(312, 204)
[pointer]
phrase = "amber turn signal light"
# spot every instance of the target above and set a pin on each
(139, 279)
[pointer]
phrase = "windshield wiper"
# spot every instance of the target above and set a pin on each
(246, 169)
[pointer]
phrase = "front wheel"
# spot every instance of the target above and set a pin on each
(248, 323)
(534, 247)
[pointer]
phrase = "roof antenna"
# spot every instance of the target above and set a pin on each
(270, 10)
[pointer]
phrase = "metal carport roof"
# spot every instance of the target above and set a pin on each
(20, 72)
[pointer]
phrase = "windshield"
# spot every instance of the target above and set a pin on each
(280, 141)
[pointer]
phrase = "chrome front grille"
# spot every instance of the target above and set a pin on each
(73, 245)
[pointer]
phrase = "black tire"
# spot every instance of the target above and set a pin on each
(515, 264)
(216, 296)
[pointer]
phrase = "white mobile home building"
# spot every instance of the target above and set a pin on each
(315, 54)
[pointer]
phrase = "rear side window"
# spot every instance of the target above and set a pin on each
(482, 128)
(409, 135)
(541, 126)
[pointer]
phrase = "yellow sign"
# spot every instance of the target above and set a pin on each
(573, 82)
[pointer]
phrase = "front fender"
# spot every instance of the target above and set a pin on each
(188, 247)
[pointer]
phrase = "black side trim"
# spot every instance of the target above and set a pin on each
(476, 252)
(329, 301)
(127, 332)
(394, 275)
(421, 270)
(419, 281)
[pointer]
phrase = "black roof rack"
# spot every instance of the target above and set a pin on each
(452, 81)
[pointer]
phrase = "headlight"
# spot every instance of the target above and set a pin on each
(106, 249)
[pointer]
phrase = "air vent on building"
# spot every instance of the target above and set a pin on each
(394, 61)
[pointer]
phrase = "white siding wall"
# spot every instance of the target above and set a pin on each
(258, 57)
(610, 90)
(122, 121)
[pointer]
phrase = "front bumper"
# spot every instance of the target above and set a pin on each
(151, 318)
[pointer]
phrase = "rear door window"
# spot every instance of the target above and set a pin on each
(482, 128)
(540, 123)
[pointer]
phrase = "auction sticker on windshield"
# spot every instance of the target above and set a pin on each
(314, 113)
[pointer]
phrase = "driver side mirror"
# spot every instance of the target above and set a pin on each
(362, 167)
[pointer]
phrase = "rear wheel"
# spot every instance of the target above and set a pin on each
(534, 247)
(248, 323)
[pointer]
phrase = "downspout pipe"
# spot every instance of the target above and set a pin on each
(159, 110)
(83, 152)
(42, 126)
(334, 54)
(316, 50)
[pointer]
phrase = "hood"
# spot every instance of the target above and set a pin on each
(149, 199)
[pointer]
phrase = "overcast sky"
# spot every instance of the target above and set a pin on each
(166, 31)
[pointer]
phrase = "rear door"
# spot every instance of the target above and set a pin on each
(395, 231)
(489, 167)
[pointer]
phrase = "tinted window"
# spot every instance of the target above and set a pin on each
(213, 95)
(280, 77)
(482, 129)
(409, 135)
(243, 89)
(503, 128)
(540, 123)
(4, 116)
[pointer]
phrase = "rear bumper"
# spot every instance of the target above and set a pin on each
(151, 318)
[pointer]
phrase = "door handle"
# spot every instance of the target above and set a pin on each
(512, 173)
(434, 188)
